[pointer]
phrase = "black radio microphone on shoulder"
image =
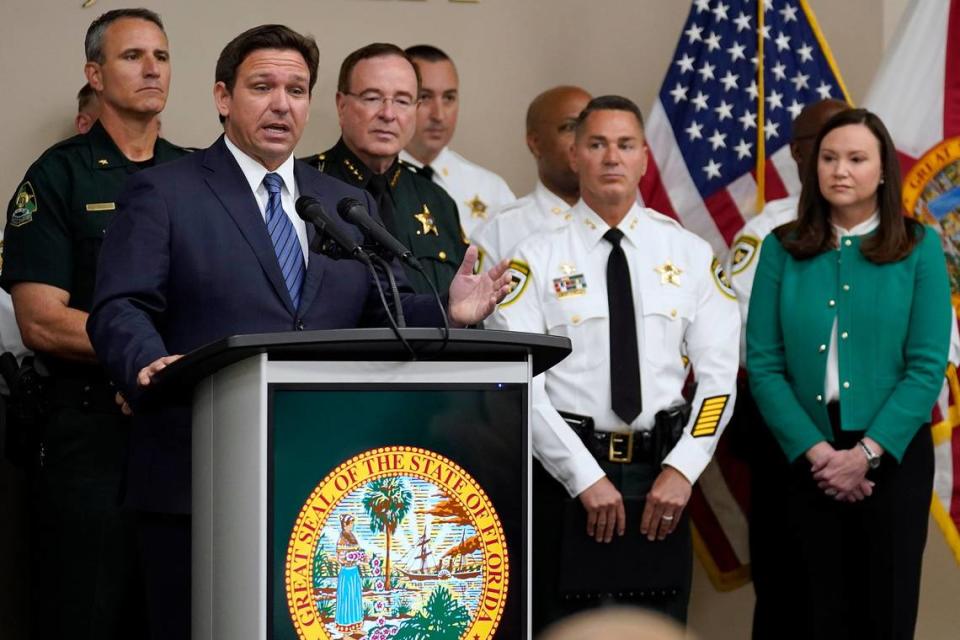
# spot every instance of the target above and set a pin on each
(354, 212)
(343, 245)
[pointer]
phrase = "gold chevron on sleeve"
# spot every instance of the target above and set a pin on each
(709, 417)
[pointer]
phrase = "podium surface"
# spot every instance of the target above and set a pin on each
(340, 490)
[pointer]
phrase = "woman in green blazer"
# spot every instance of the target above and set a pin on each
(847, 340)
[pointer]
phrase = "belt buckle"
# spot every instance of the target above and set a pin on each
(621, 447)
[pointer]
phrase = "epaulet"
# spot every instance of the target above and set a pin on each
(409, 166)
(512, 206)
(659, 217)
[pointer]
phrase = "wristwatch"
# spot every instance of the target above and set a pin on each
(873, 460)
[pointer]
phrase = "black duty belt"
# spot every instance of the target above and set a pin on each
(95, 396)
(617, 447)
(647, 447)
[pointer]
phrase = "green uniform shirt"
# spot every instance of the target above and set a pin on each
(58, 216)
(425, 217)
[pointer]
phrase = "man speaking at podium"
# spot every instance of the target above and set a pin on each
(212, 247)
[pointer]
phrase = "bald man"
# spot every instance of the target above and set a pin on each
(551, 119)
(748, 434)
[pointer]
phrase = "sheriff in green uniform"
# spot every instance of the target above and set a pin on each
(56, 221)
(376, 105)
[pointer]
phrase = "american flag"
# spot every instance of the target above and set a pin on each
(720, 127)
(719, 137)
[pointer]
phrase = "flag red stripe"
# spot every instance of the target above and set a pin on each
(773, 185)
(725, 214)
(906, 163)
(951, 78)
(735, 472)
(712, 532)
(654, 193)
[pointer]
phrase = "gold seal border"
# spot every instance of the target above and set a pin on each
(471, 631)
(929, 165)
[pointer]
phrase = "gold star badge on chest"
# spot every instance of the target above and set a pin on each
(478, 208)
(427, 224)
(669, 273)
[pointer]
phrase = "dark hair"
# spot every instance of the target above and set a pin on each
(374, 50)
(266, 36)
(85, 96)
(427, 52)
(608, 103)
(93, 42)
(812, 234)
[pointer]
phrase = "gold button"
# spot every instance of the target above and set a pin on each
(846, 385)
(844, 335)
(846, 287)
(673, 313)
(575, 319)
(822, 348)
(831, 303)
(443, 255)
(848, 242)
(819, 398)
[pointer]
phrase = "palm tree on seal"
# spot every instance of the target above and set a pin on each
(387, 502)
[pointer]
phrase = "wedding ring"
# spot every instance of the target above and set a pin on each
(667, 518)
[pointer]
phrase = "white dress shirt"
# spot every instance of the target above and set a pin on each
(254, 172)
(689, 315)
(831, 383)
(513, 223)
(477, 191)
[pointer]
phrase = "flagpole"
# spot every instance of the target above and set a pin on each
(761, 116)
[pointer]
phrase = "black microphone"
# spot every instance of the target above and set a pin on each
(355, 213)
(310, 210)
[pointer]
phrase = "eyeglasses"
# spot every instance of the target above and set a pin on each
(376, 102)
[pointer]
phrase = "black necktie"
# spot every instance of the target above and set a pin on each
(624, 354)
(426, 171)
(381, 193)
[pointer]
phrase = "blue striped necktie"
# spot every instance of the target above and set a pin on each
(284, 237)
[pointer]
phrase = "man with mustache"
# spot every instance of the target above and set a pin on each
(377, 102)
(477, 191)
(55, 226)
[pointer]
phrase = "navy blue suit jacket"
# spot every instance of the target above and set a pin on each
(188, 261)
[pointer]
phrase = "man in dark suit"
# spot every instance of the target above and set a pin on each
(211, 247)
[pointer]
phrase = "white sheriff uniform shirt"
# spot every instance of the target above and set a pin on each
(685, 308)
(745, 254)
(477, 191)
(538, 211)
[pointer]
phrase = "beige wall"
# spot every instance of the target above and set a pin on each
(507, 51)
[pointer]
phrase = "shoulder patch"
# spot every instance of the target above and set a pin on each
(721, 279)
(743, 252)
(711, 410)
(519, 276)
(25, 206)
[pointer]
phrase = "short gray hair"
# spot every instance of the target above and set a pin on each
(93, 43)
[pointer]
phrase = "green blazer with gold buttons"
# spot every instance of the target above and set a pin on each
(893, 334)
